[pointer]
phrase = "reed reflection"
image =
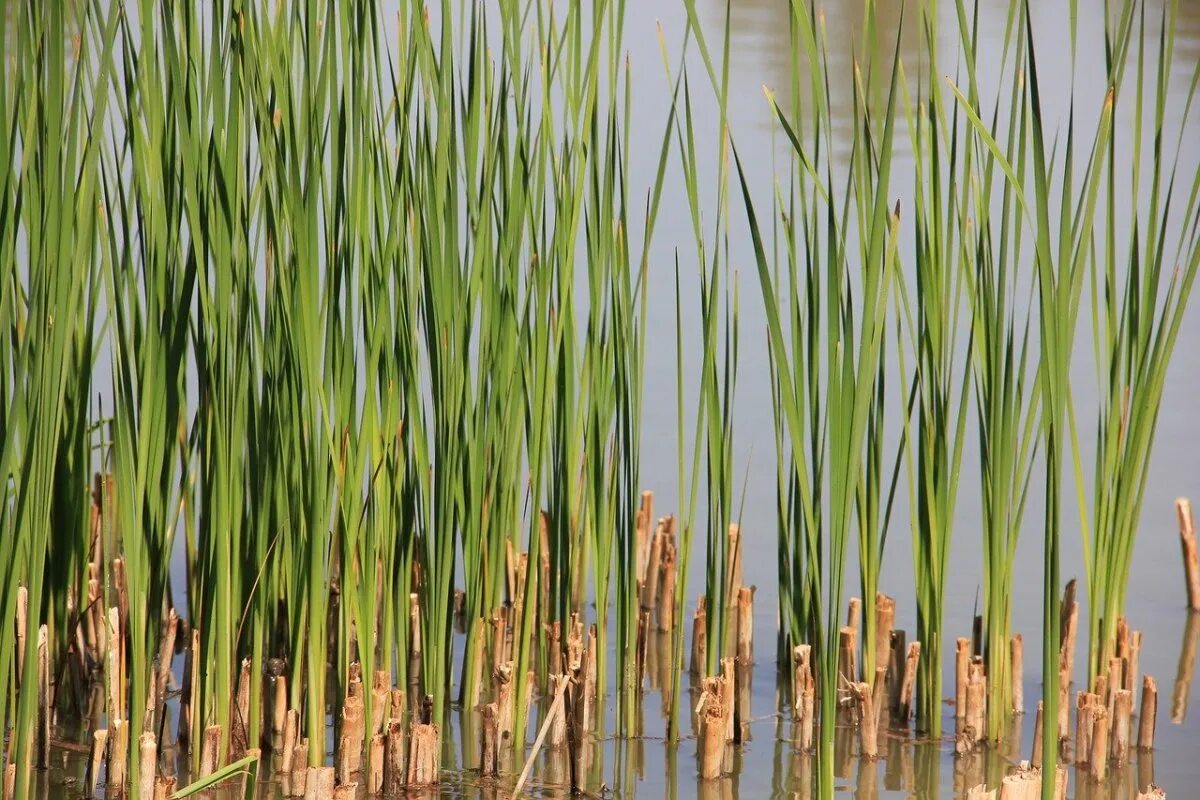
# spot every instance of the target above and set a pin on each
(867, 784)
(1186, 668)
(759, 30)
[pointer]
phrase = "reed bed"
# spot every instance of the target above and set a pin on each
(944, 172)
(1139, 289)
(376, 330)
(359, 299)
(826, 329)
(1003, 369)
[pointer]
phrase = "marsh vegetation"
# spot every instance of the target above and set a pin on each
(323, 392)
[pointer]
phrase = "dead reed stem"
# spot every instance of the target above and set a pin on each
(299, 774)
(1149, 716)
(1122, 724)
(712, 729)
(908, 685)
(1191, 552)
(1017, 653)
(320, 783)
(489, 765)
(962, 660)
(1099, 756)
(976, 702)
(1083, 727)
(869, 727)
(99, 745)
(394, 775)
(118, 756)
(375, 760)
(699, 638)
(1038, 733)
(885, 622)
(164, 787)
(148, 764)
(745, 625)
(424, 754)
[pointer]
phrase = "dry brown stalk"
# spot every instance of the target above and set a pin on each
(1017, 653)
(1191, 552)
(1149, 716)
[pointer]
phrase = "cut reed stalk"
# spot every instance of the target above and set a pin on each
(909, 683)
(1017, 669)
(148, 765)
(962, 661)
(869, 721)
(375, 761)
(1100, 729)
(1083, 728)
(424, 754)
(99, 749)
(1148, 717)
(1122, 726)
(1039, 734)
(712, 732)
(394, 774)
(1191, 552)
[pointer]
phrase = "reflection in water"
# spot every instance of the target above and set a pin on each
(867, 786)
(671, 757)
(1122, 783)
(555, 773)
(1187, 665)
(1145, 768)
(656, 768)
(1012, 738)
(759, 31)
(927, 781)
(968, 771)
(719, 789)
(800, 776)
(843, 745)
(898, 773)
(761, 48)
(742, 716)
(469, 740)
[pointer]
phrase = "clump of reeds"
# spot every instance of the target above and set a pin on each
(375, 326)
(1002, 364)
(826, 331)
(375, 323)
(51, 238)
(711, 464)
(1059, 271)
(1141, 278)
(943, 175)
